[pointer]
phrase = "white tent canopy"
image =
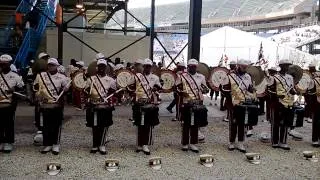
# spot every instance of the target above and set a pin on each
(236, 44)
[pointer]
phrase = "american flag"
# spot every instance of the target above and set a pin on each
(261, 61)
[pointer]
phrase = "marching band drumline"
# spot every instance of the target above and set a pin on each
(244, 94)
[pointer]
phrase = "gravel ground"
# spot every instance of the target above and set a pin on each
(25, 162)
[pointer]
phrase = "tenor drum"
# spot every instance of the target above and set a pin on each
(168, 78)
(218, 76)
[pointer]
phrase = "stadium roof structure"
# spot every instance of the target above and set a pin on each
(298, 37)
(237, 44)
(222, 9)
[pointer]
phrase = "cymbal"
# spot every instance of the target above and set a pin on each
(296, 72)
(256, 74)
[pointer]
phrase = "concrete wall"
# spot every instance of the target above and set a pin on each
(105, 43)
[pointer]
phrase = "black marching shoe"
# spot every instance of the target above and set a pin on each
(146, 150)
(194, 148)
(102, 150)
(284, 147)
(139, 149)
(170, 110)
(316, 144)
(275, 146)
(185, 148)
(56, 149)
(46, 149)
(231, 147)
(241, 147)
(94, 150)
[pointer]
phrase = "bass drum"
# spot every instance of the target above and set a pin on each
(78, 81)
(168, 78)
(218, 76)
(124, 78)
(303, 84)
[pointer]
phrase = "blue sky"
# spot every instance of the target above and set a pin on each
(147, 3)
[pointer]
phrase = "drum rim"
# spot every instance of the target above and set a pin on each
(211, 74)
(172, 73)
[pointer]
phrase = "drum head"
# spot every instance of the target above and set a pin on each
(303, 84)
(169, 78)
(218, 76)
(261, 88)
(204, 70)
(124, 78)
(78, 80)
(39, 66)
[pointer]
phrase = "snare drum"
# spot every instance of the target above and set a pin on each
(298, 116)
(145, 114)
(97, 116)
(195, 115)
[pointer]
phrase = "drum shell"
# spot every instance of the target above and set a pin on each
(200, 115)
(151, 114)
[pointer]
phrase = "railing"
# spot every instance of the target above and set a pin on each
(33, 36)
(24, 49)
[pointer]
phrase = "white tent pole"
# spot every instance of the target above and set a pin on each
(225, 40)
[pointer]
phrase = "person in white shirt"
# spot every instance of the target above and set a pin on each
(181, 67)
(49, 87)
(238, 90)
(283, 92)
(191, 86)
(9, 81)
(99, 112)
(145, 109)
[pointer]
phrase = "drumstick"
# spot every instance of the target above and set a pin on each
(112, 94)
(62, 92)
(19, 94)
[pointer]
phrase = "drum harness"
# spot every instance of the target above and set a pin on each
(145, 90)
(5, 81)
(198, 97)
(243, 105)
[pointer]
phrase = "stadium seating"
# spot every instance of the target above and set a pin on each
(212, 9)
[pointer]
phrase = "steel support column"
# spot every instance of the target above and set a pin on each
(318, 10)
(125, 17)
(194, 29)
(152, 33)
(60, 34)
